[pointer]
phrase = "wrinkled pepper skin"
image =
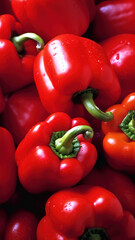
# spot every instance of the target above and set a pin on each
(8, 169)
(112, 18)
(116, 182)
(71, 212)
(118, 146)
(39, 167)
(22, 111)
(21, 225)
(120, 50)
(15, 71)
(69, 16)
(69, 64)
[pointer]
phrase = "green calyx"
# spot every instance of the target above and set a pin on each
(18, 41)
(65, 144)
(128, 125)
(86, 97)
(94, 234)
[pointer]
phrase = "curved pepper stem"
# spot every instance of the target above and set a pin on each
(18, 41)
(64, 144)
(89, 104)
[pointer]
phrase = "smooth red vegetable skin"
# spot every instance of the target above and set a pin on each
(51, 18)
(116, 182)
(21, 225)
(72, 211)
(118, 147)
(69, 64)
(8, 169)
(40, 169)
(120, 50)
(23, 110)
(112, 18)
(15, 72)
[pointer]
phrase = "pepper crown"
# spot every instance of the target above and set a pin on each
(65, 144)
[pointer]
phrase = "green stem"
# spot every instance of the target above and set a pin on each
(128, 124)
(94, 234)
(18, 41)
(64, 144)
(89, 104)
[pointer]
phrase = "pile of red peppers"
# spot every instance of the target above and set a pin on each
(67, 120)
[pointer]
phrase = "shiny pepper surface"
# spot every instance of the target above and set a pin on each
(54, 155)
(119, 135)
(49, 18)
(70, 71)
(85, 212)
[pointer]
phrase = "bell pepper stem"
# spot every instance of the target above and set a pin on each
(64, 144)
(89, 104)
(132, 124)
(18, 41)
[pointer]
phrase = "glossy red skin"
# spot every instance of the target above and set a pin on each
(118, 148)
(69, 16)
(21, 225)
(60, 70)
(16, 72)
(23, 110)
(3, 221)
(120, 50)
(40, 169)
(8, 170)
(112, 18)
(70, 212)
(116, 182)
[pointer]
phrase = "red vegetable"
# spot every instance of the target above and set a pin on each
(21, 225)
(116, 182)
(49, 159)
(119, 140)
(112, 18)
(120, 50)
(15, 71)
(85, 212)
(72, 69)
(8, 170)
(51, 18)
(23, 110)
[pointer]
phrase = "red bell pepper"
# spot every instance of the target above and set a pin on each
(16, 71)
(85, 212)
(21, 225)
(116, 182)
(112, 18)
(8, 169)
(120, 50)
(72, 69)
(119, 139)
(23, 110)
(51, 157)
(51, 18)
